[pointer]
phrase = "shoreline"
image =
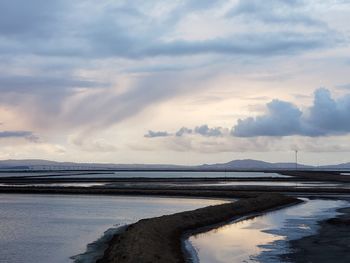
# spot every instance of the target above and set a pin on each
(329, 244)
(159, 239)
(190, 252)
(95, 250)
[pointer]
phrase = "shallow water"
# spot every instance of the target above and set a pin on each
(266, 183)
(52, 228)
(263, 238)
(25, 174)
(154, 174)
(55, 185)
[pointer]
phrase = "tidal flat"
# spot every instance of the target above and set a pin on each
(74, 210)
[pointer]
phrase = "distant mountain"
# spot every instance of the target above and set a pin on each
(247, 164)
(37, 164)
(342, 166)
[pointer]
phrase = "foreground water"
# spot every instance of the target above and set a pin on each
(263, 238)
(52, 228)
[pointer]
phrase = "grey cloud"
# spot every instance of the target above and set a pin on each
(182, 131)
(275, 12)
(326, 116)
(282, 118)
(87, 32)
(108, 33)
(202, 130)
(90, 109)
(153, 134)
(344, 86)
(35, 18)
(329, 116)
(18, 134)
(30, 84)
(258, 44)
(42, 97)
(209, 132)
(106, 107)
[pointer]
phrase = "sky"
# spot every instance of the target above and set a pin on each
(178, 82)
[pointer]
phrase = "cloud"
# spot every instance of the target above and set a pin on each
(328, 116)
(108, 106)
(77, 102)
(57, 49)
(274, 12)
(182, 131)
(153, 134)
(19, 134)
(30, 19)
(75, 66)
(34, 84)
(282, 118)
(258, 44)
(325, 117)
(93, 30)
(202, 130)
(208, 132)
(344, 86)
(92, 145)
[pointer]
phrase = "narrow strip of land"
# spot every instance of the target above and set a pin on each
(206, 191)
(159, 239)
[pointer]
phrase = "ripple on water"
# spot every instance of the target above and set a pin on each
(52, 228)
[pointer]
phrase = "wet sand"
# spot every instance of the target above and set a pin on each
(159, 239)
(330, 244)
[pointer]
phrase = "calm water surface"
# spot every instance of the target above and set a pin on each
(174, 174)
(55, 184)
(296, 184)
(52, 228)
(263, 238)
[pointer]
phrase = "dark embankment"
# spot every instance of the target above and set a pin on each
(133, 192)
(52, 179)
(205, 191)
(159, 239)
(319, 176)
(329, 244)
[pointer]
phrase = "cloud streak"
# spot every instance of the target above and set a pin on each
(19, 134)
(274, 12)
(154, 134)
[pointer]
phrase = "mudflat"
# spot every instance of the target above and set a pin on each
(159, 239)
(330, 244)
